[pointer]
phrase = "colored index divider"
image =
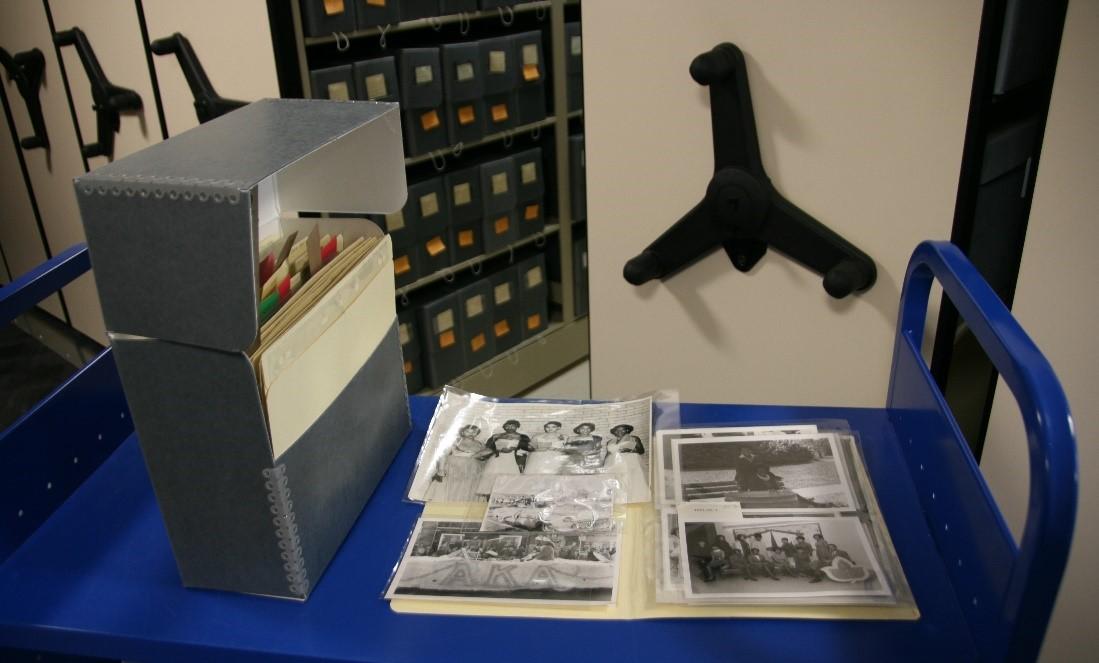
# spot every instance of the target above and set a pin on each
(268, 306)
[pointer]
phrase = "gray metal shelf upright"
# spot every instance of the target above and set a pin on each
(566, 341)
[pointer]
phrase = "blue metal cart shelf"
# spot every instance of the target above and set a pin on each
(97, 575)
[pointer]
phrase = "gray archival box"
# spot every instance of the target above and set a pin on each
(174, 235)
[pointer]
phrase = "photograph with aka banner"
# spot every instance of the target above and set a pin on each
(472, 440)
(452, 559)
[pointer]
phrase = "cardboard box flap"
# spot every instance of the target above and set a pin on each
(173, 229)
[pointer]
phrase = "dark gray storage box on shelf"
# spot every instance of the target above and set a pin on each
(530, 70)
(505, 309)
(501, 78)
(376, 80)
(421, 82)
(409, 335)
(463, 92)
(463, 189)
(530, 216)
(173, 232)
(475, 311)
(533, 295)
(441, 340)
(498, 198)
(335, 83)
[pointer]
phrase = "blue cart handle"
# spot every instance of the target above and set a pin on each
(42, 281)
(1051, 511)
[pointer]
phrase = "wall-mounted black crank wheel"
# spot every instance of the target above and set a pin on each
(742, 212)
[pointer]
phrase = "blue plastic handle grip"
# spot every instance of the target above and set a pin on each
(42, 281)
(1051, 512)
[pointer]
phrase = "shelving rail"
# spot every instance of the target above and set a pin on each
(86, 568)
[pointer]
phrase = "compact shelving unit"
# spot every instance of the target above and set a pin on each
(565, 341)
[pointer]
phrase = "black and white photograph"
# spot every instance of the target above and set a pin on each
(472, 441)
(664, 479)
(672, 572)
(765, 473)
(801, 558)
(549, 503)
(453, 560)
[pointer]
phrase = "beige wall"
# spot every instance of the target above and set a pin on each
(861, 111)
(234, 49)
(1056, 303)
(23, 26)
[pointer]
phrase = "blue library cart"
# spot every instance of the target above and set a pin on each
(86, 567)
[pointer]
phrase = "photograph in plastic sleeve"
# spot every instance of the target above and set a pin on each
(472, 440)
(547, 503)
(452, 559)
(670, 558)
(764, 473)
(664, 478)
(795, 559)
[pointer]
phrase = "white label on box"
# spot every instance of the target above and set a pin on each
(499, 184)
(497, 62)
(530, 54)
(429, 205)
(462, 194)
(444, 321)
(423, 74)
(502, 293)
(403, 333)
(464, 71)
(394, 221)
(376, 87)
(338, 91)
(474, 306)
(534, 277)
(528, 172)
(575, 46)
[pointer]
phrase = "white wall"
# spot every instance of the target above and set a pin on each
(861, 111)
(1056, 303)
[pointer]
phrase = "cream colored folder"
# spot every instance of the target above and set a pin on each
(310, 364)
(636, 587)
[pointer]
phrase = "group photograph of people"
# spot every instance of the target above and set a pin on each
(454, 559)
(467, 470)
(788, 557)
(473, 440)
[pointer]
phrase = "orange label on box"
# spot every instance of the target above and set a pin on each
(531, 212)
(478, 342)
(501, 225)
(401, 265)
(534, 321)
(435, 246)
(376, 3)
(501, 328)
(465, 238)
(429, 120)
(407, 367)
(446, 339)
(466, 115)
(531, 73)
(499, 112)
(333, 7)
